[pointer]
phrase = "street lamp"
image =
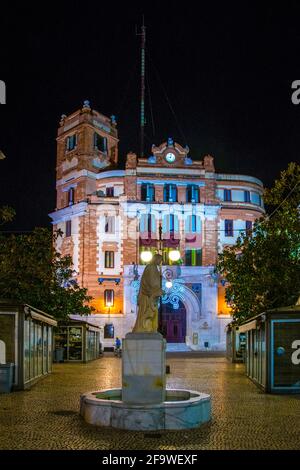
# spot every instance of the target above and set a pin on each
(146, 256)
(174, 255)
(2, 156)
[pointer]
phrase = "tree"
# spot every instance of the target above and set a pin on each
(263, 268)
(33, 272)
(7, 214)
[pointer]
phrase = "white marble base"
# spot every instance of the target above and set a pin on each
(143, 368)
(190, 410)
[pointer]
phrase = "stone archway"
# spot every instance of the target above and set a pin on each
(187, 311)
(173, 322)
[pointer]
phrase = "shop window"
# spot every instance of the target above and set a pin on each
(75, 344)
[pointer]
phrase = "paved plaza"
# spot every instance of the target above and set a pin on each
(47, 416)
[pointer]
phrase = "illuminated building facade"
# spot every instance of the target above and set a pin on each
(165, 202)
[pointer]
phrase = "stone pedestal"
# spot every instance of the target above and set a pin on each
(144, 368)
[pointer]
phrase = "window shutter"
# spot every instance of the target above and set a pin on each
(176, 224)
(188, 257)
(142, 223)
(153, 224)
(188, 194)
(193, 223)
(165, 193)
(199, 257)
(144, 192)
(165, 224)
(198, 224)
(151, 192)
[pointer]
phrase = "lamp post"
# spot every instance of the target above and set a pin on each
(174, 256)
(160, 326)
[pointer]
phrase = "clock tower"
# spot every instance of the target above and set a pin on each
(87, 144)
(170, 153)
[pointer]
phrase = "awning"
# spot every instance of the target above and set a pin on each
(251, 325)
(37, 316)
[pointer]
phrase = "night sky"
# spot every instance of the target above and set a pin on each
(225, 70)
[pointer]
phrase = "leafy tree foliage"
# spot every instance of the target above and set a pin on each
(7, 214)
(33, 272)
(263, 268)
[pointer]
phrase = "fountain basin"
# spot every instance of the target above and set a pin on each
(182, 409)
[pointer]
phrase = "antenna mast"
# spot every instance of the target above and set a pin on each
(142, 115)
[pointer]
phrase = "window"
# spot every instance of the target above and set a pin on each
(148, 192)
(247, 196)
(193, 223)
(100, 143)
(110, 191)
(109, 331)
(109, 259)
(71, 194)
(248, 226)
(227, 194)
(193, 257)
(171, 223)
(71, 142)
(109, 224)
(192, 193)
(170, 193)
(109, 297)
(68, 228)
(228, 228)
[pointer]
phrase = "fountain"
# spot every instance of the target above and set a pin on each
(144, 403)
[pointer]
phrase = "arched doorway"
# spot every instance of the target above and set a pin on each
(173, 322)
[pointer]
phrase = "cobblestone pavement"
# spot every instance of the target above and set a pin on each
(47, 417)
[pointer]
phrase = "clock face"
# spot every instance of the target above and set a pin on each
(170, 157)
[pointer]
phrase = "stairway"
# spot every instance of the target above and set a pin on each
(178, 347)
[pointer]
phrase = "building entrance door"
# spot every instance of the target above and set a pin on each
(174, 323)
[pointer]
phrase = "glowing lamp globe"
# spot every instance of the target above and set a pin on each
(146, 256)
(169, 284)
(174, 255)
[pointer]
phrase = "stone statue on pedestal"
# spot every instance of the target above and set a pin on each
(150, 291)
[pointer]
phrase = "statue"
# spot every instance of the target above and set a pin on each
(150, 290)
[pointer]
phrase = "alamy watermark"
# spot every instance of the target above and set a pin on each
(2, 92)
(296, 94)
